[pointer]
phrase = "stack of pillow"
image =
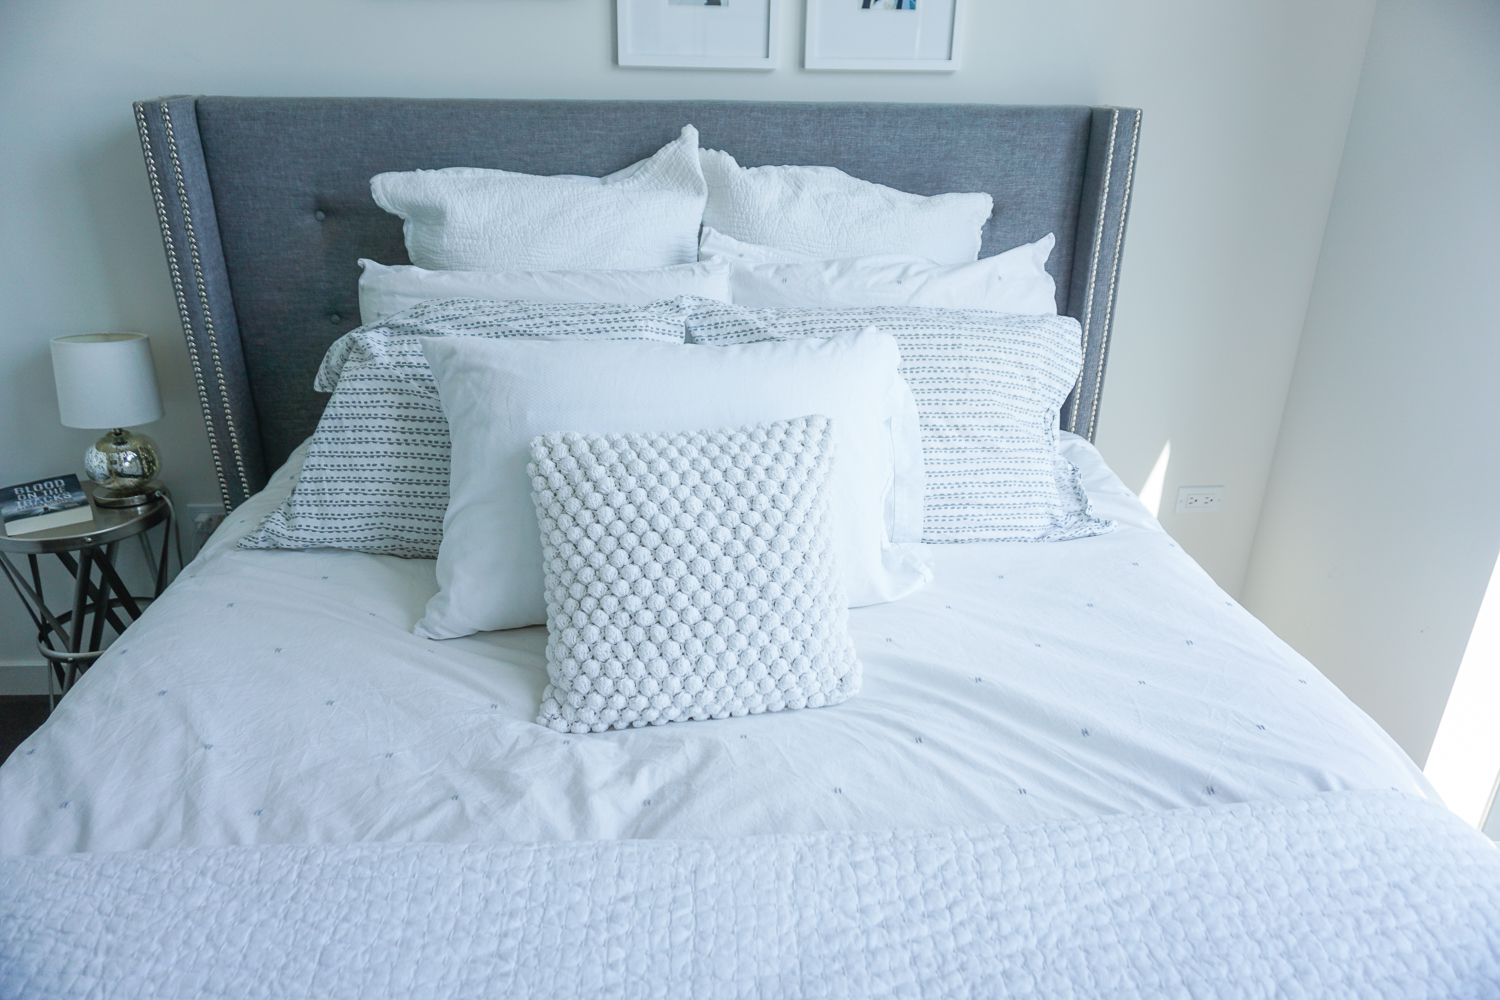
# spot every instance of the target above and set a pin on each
(686, 415)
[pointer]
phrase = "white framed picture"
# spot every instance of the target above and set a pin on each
(697, 34)
(911, 35)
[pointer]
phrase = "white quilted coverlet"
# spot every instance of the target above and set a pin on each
(1352, 894)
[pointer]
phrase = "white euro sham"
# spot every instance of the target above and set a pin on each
(474, 219)
(498, 396)
(824, 213)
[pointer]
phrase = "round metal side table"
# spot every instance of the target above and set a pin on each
(71, 640)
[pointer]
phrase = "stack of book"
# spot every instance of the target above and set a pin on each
(46, 503)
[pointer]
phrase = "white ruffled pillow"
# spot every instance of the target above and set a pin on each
(690, 575)
(472, 219)
(822, 213)
(1015, 281)
(385, 290)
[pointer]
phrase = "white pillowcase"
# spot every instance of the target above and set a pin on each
(823, 213)
(385, 290)
(719, 596)
(498, 396)
(1015, 281)
(472, 219)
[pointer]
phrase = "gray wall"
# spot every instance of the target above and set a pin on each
(1246, 103)
(1382, 519)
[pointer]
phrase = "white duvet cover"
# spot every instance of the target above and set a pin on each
(280, 697)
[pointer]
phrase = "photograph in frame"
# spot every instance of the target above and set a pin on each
(902, 35)
(699, 34)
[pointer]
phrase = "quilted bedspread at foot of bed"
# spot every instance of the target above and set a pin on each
(1339, 895)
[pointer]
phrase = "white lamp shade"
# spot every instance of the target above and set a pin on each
(105, 380)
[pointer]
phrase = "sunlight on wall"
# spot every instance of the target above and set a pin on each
(1465, 758)
(1150, 494)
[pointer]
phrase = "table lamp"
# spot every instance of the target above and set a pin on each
(107, 380)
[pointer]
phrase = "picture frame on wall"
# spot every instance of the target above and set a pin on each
(922, 36)
(697, 34)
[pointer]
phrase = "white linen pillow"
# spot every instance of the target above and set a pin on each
(1015, 281)
(725, 602)
(376, 475)
(473, 219)
(988, 387)
(385, 290)
(823, 213)
(500, 395)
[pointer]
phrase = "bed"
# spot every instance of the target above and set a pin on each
(1074, 769)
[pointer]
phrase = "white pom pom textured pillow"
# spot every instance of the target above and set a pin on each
(473, 219)
(987, 387)
(690, 575)
(376, 475)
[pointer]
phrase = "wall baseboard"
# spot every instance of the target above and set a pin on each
(22, 678)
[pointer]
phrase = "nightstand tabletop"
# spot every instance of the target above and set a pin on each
(109, 524)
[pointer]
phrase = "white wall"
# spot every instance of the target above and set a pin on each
(1382, 520)
(1246, 102)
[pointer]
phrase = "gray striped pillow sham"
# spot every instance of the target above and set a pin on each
(376, 474)
(988, 387)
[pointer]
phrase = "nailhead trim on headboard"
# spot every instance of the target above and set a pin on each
(208, 316)
(175, 269)
(1114, 274)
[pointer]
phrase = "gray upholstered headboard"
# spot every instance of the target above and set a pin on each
(265, 206)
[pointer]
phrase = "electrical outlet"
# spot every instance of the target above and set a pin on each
(203, 519)
(1199, 499)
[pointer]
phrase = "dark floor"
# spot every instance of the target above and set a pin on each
(20, 714)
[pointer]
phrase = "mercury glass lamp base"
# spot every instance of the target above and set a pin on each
(124, 464)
